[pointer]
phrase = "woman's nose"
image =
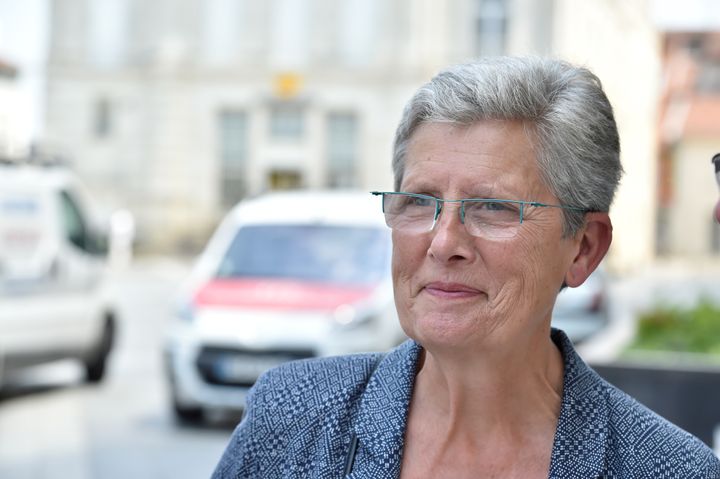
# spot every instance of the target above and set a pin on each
(450, 240)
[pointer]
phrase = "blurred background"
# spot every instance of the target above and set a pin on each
(156, 118)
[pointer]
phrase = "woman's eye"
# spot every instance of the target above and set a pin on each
(496, 206)
(418, 201)
(421, 201)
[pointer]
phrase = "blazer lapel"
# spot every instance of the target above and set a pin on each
(581, 436)
(382, 415)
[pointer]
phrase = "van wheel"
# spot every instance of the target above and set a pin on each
(96, 365)
(188, 415)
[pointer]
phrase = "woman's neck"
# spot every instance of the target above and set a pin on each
(484, 412)
(487, 389)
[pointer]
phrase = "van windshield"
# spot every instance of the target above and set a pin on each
(329, 254)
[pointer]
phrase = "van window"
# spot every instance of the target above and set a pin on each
(331, 254)
(73, 221)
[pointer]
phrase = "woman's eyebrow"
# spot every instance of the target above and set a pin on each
(478, 194)
(426, 188)
(421, 185)
(488, 192)
(420, 188)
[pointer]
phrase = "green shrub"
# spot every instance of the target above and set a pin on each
(694, 329)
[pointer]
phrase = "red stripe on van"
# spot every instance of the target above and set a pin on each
(277, 294)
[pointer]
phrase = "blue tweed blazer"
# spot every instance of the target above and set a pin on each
(320, 418)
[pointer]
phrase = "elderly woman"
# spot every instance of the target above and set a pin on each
(505, 170)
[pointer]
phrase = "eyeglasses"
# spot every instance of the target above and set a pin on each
(483, 217)
(716, 161)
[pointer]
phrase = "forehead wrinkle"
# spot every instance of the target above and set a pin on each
(473, 154)
(466, 184)
(454, 160)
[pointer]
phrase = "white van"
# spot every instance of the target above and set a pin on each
(286, 276)
(53, 300)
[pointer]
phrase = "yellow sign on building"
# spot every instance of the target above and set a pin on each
(287, 85)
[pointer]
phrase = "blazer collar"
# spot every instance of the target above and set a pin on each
(382, 415)
(580, 438)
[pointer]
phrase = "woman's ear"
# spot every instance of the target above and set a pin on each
(594, 242)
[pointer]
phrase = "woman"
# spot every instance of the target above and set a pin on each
(505, 170)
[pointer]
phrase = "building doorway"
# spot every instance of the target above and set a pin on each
(284, 180)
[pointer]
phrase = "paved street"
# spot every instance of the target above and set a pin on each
(53, 426)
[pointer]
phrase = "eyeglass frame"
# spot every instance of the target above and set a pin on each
(438, 201)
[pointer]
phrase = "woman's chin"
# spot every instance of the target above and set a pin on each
(445, 331)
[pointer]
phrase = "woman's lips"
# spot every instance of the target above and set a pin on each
(451, 290)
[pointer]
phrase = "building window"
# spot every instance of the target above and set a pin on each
(102, 118)
(222, 31)
(289, 34)
(662, 231)
(714, 236)
(708, 79)
(342, 146)
(287, 121)
(233, 156)
(107, 32)
(358, 35)
(491, 27)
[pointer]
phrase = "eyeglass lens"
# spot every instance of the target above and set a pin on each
(417, 214)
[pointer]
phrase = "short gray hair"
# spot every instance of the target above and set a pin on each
(563, 106)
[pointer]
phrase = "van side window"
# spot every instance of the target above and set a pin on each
(73, 221)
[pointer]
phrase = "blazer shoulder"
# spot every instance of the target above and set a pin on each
(298, 411)
(644, 444)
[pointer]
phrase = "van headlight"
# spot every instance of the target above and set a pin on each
(185, 312)
(348, 316)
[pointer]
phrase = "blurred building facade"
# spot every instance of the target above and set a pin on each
(176, 109)
(11, 138)
(620, 43)
(689, 137)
